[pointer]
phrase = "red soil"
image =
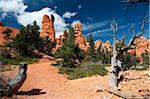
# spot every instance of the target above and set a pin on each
(56, 86)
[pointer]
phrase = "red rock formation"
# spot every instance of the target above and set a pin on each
(98, 43)
(59, 41)
(13, 34)
(142, 45)
(107, 47)
(79, 37)
(48, 27)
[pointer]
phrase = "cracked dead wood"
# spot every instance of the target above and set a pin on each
(13, 85)
(116, 64)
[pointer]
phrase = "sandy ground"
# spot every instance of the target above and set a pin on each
(44, 82)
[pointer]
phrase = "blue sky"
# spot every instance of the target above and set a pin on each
(95, 15)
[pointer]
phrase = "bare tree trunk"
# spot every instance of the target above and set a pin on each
(115, 62)
(14, 85)
(114, 72)
(114, 67)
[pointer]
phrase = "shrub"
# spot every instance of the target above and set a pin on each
(146, 58)
(17, 60)
(84, 70)
(4, 53)
(128, 60)
(104, 56)
(29, 39)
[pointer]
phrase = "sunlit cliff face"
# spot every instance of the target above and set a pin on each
(48, 27)
(78, 29)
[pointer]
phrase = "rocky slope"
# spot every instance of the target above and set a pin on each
(3, 28)
(106, 46)
(142, 46)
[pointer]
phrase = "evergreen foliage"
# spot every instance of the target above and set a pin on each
(146, 58)
(29, 40)
(91, 54)
(70, 52)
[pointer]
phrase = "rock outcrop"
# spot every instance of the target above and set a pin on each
(48, 27)
(3, 28)
(107, 47)
(79, 37)
(98, 43)
(142, 46)
(59, 41)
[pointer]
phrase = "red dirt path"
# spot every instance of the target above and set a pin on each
(56, 86)
(44, 76)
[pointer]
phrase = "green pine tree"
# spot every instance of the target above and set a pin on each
(91, 56)
(70, 52)
(29, 39)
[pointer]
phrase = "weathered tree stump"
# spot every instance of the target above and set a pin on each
(13, 85)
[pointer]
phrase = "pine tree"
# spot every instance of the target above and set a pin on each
(29, 39)
(91, 51)
(70, 52)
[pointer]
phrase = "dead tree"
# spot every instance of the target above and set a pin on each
(116, 64)
(14, 85)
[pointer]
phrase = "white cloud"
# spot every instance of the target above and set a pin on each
(14, 6)
(69, 14)
(104, 30)
(90, 26)
(17, 7)
(29, 17)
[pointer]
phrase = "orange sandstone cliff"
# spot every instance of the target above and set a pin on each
(48, 27)
(79, 37)
(3, 28)
(142, 46)
(106, 46)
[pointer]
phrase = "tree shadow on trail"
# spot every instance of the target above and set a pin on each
(31, 92)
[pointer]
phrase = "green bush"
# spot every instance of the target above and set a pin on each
(29, 40)
(128, 60)
(146, 58)
(69, 52)
(84, 70)
(17, 60)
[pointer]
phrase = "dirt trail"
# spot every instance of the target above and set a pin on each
(49, 84)
(56, 86)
